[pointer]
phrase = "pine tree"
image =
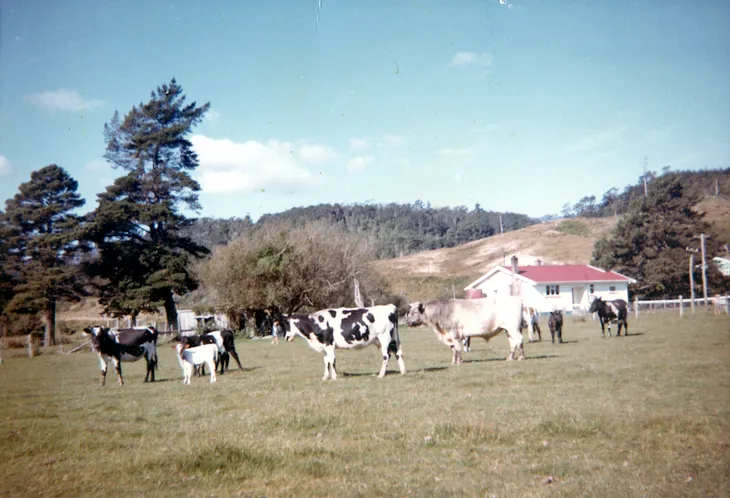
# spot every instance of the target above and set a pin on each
(143, 257)
(43, 249)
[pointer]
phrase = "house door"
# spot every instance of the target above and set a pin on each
(578, 296)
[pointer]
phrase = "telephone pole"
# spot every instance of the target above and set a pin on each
(645, 164)
(691, 276)
(704, 269)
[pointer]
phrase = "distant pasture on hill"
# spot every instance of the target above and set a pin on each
(644, 415)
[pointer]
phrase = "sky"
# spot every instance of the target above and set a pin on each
(518, 106)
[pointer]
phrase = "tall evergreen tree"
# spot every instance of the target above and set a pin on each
(649, 242)
(143, 257)
(42, 236)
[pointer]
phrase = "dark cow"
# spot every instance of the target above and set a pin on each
(124, 345)
(454, 320)
(221, 338)
(610, 311)
(555, 322)
(348, 328)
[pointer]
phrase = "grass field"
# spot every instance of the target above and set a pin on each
(647, 415)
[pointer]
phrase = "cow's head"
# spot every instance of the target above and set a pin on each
(415, 315)
(595, 305)
(96, 333)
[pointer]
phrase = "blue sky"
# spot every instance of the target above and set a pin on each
(516, 105)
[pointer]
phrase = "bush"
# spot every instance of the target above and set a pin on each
(574, 227)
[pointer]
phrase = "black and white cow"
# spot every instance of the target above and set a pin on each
(555, 323)
(221, 338)
(453, 320)
(124, 345)
(611, 311)
(348, 328)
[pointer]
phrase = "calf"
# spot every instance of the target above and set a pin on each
(190, 357)
(349, 328)
(225, 342)
(555, 322)
(456, 319)
(124, 345)
(531, 320)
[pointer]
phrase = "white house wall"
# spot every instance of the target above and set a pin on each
(536, 296)
(603, 290)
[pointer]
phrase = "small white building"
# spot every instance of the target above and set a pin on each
(551, 287)
(723, 264)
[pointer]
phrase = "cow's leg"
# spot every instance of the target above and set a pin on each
(211, 366)
(626, 327)
(118, 367)
(104, 366)
(399, 357)
(560, 334)
(329, 363)
(235, 357)
(456, 345)
(539, 332)
(385, 351)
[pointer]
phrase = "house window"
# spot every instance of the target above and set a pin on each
(612, 288)
(552, 290)
(591, 289)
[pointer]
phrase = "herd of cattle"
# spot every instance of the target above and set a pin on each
(455, 322)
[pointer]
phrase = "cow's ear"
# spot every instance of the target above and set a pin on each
(421, 309)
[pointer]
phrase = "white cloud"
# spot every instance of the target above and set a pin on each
(475, 59)
(596, 141)
(97, 165)
(457, 177)
(358, 164)
(5, 167)
(358, 144)
(212, 115)
(230, 167)
(62, 100)
(317, 154)
(393, 140)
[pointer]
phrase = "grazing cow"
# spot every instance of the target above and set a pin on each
(190, 357)
(610, 311)
(456, 319)
(124, 345)
(348, 328)
(221, 338)
(555, 322)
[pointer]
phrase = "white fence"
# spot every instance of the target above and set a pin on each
(717, 305)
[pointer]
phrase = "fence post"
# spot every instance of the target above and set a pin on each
(727, 305)
(681, 306)
(636, 307)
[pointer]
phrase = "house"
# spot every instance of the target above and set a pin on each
(188, 321)
(723, 264)
(551, 287)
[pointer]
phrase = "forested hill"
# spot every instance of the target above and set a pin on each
(699, 184)
(396, 229)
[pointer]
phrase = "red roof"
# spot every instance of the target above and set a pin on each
(568, 273)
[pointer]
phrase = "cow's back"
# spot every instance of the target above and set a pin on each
(476, 316)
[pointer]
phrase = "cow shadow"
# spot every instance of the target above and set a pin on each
(566, 342)
(542, 357)
(482, 360)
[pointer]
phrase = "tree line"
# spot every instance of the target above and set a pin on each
(393, 229)
(614, 202)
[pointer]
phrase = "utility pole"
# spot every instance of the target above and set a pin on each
(644, 167)
(691, 277)
(704, 269)
(501, 228)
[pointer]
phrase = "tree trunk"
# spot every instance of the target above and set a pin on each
(171, 312)
(49, 317)
(133, 320)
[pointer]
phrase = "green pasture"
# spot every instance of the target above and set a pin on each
(644, 415)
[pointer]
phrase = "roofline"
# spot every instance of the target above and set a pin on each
(494, 270)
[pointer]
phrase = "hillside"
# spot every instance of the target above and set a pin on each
(445, 272)
(431, 274)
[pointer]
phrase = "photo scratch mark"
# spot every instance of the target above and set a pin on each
(316, 19)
